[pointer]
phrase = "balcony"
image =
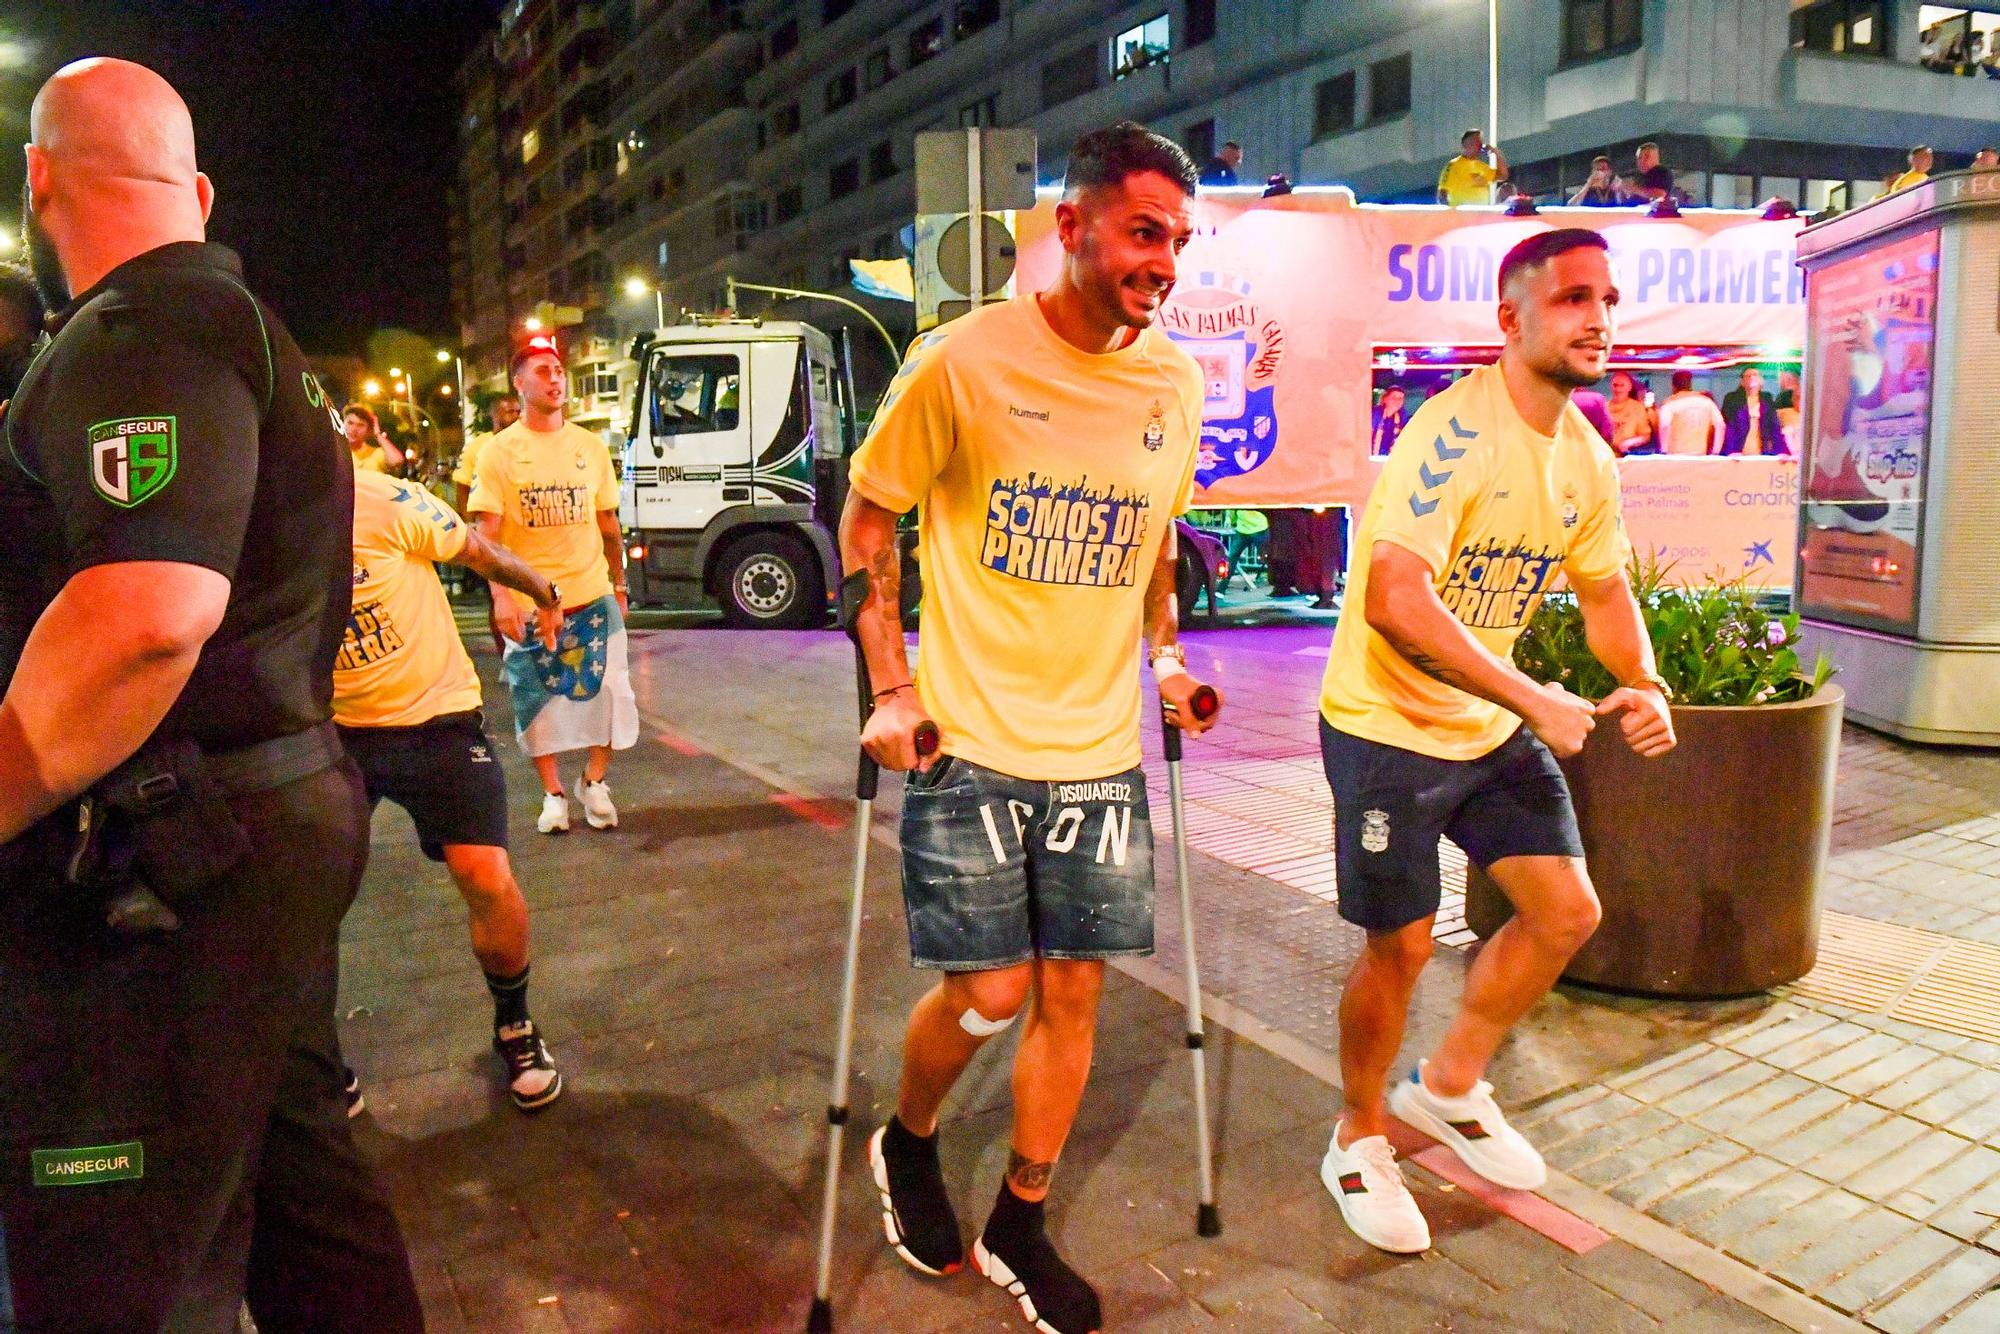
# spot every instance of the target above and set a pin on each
(1612, 81)
(1845, 85)
(1385, 143)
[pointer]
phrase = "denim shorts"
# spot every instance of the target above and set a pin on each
(998, 870)
(1391, 805)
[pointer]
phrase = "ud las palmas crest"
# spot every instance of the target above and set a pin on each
(132, 458)
(1239, 347)
(1375, 831)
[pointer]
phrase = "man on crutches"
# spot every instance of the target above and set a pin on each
(1050, 440)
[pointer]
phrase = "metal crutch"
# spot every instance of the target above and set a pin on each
(1207, 1222)
(853, 591)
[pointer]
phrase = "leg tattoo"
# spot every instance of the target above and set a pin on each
(1025, 1175)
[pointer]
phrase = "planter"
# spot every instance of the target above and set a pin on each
(1708, 860)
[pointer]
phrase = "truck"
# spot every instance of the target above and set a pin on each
(735, 472)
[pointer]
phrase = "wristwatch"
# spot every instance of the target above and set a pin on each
(1655, 680)
(1174, 651)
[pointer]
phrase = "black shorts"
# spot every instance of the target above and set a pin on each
(1391, 805)
(443, 772)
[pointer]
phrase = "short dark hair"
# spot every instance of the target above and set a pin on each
(19, 294)
(1109, 155)
(1643, 147)
(1683, 381)
(1470, 134)
(1920, 148)
(1231, 143)
(1747, 371)
(1600, 158)
(1542, 247)
(363, 411)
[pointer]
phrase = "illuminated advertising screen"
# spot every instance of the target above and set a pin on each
(1871, 329)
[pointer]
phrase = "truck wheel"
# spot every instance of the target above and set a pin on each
(769, 581)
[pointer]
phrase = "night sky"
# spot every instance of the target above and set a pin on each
(328, 127)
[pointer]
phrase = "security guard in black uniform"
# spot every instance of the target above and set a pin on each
(180, 833)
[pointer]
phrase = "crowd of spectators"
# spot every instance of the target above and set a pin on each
(1967, 54)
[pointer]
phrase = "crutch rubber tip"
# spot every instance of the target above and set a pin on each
(820, 1321)
(1207, 1222)
(1194, 1041)
(836, 1116)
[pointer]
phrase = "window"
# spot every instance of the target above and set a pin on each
(1198, 24)
(1778, 187)
(984, 112)
(1599, 27)
(785, 121)
(787, 204)
(1138, 47)
(830, 10)
(1730, 189)
(1333, 105)
(926, 40)
(1841, 27)
(1823, 194)
(843, 178)
(1069, 76)
(694, 395)
(1389, 87)
(784, 38)
(881, 162)
(876, 70)
(1199, 140)
(840, 90)
(531, 144)
(969, 16)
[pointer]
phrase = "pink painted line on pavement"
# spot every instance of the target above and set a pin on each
(1556, 1223)
(677, 744)
(825, 814)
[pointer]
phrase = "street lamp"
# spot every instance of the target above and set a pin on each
(371, 389)
(637, 287)
(532, 324)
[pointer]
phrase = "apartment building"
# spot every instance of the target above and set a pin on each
(772, 139)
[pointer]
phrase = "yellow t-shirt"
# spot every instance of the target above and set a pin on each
(1496, 509)
(1048, 478)
(548, 487)
(1908, 179)
(401, 662)
(1467, 180)
(468, 459)
(369, 458)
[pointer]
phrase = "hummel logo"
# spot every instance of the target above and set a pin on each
(1502, 495)
(1030, 413)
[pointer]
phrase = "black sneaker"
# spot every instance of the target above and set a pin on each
(916, 1213)
(532, 1078)
(1053, 1297)
(350, 1084)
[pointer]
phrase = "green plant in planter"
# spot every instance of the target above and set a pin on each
(1714, 644)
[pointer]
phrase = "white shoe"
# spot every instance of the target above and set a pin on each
(554, 818)
(598, 811)
(1368, 1186)
(1472, 1128)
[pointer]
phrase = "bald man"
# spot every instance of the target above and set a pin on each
(180, 832)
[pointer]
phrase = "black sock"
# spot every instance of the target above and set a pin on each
(1061, 1298)
(901, 1140)
(510, 998)
(1013, 1219)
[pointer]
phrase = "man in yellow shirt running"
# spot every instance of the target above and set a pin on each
(1469, 178)
(407, 702)
(1050, 441)
(546, 490)
(1427, 729)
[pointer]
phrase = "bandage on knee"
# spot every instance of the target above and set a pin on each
(977, 1024)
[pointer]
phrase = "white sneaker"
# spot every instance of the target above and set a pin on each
(598, 811)
(554, 818)
(1368, 1186)
(1472, 1128)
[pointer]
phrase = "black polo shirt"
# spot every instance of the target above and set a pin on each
(174, 419)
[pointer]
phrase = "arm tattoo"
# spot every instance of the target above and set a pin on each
(885, 581)
(498, 565)
(1433, 668)
(1026, 1175)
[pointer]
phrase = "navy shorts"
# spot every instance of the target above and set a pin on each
(997, 870)
(443, 772)
(1391, 805)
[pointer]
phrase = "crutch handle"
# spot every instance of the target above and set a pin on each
(1204, 704)
(927, 739)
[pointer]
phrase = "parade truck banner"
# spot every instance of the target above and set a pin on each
(1284, 301)
(1867, 425)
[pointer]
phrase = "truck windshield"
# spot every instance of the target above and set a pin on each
(695, 394)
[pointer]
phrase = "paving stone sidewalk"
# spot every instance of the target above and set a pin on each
(1670, 1108)
(685, 972)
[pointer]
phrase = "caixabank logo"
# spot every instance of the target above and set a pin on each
(1238, 346)
(132, 458)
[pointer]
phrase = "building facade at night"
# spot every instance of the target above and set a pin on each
(681, 141)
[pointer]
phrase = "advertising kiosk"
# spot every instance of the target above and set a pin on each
(1899, 520)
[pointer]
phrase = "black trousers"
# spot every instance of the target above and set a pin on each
(214, 1048)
